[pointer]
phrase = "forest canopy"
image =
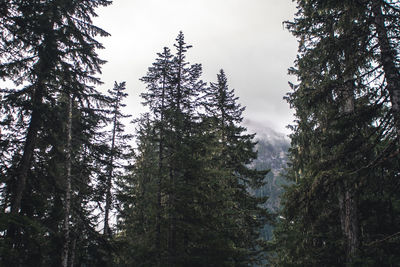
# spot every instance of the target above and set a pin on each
(182, 188)
(74, 192)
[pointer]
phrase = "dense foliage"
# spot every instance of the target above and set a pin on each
(48, 131)
(343, 208)
(181, 196)
(188, 202)
(191, 192)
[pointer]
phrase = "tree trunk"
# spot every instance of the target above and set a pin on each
(16, 191)
(41, 70)
(110, 174)
(388, 58)
(107, 230)
(160, 173)
(67, 202)
(347, 197)
(73, 247)
(349, 220)
(159, 205)
(172, 223)
(30, 142)
(21, 174)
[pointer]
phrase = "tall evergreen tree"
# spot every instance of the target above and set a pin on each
(137, 218)
(188, 203)
(49, 51)
(60, 53)
(235, 152)
(184, 92)
(118, 150)
(343, 134)
(158, 82)
(173, 86)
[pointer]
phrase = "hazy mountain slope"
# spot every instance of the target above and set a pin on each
(272, 148)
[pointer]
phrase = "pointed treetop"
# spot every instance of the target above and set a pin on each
(180, 44)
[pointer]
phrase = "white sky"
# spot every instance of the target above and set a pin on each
(244, 37)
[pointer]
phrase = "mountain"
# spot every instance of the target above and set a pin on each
(272, 154)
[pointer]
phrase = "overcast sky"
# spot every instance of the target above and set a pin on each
(244, 37)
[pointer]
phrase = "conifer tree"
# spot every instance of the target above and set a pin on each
(235, 150)
(185, 87)
(159, 84)
(344, 128)
(173, 85)
(137, 218)
(187, 201)
(49, 51)
(47, 65)
(119, 148)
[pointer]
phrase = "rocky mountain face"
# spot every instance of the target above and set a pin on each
(272, 154)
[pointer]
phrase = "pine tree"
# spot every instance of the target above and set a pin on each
(118, 150)
(50, 61)
(173, 85)
(184, 92)
(138, 202)
(159, 80)
(235, 150)
(342, 131)
(187, 201)
(49, 51)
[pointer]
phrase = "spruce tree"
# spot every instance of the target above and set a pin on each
(187, 201)
(344, 128)
(49, 51)
(173, 85)
(158, 81)
(118, 149)
(54, 33)
(234, 150)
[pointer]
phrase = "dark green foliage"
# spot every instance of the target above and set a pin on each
(48, 51)
(187, 201)
(235, 150)
(344, 139)
(138, 203)
(116, 155)
(65, 160)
